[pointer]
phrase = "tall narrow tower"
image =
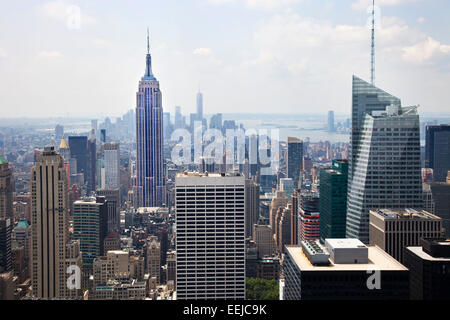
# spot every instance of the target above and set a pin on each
(372, 64)
(149, 139)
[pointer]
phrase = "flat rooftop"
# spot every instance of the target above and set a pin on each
(346, 243)
(378, 260)
(391, 214)
(425, 256)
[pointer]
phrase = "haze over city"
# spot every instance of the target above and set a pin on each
(287, 56)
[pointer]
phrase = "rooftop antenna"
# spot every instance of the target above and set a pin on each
(372, 64)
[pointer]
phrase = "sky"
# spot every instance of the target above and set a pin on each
(77, 58)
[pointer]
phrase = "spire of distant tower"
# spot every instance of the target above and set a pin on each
(372, 65)
(148, 67)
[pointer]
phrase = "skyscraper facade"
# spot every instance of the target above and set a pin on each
(149, 139)
(309, 216)
(6, 189)
(251, 206)
(210, 238)
(294, 159)
(79, 152)
(5, 245)
(92, 162)
(333, 200)
(385, 165)
(49, 225)
(199, 106)
(330, 126)
(112, 165)
(437, 151)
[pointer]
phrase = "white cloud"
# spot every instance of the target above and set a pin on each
(259, 4)
(3, 53)
(72, 15)
(203, 51)
(423, 52)
(49, 54)
(421, 20)
(364, 4)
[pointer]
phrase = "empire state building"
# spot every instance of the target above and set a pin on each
(150, 182)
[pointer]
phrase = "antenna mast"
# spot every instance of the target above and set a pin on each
(372, 65)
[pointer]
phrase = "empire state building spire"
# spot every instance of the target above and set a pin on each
(148, 66)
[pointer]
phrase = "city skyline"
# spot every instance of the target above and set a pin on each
(293, 43)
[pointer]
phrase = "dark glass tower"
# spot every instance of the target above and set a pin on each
(333, 200)
(437, 151)
(294, 159)
(150, 183)
(79, 151)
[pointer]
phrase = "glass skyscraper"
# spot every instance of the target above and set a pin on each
(149, 139)
(385, 166)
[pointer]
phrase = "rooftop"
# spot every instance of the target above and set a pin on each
(391, 214)
(377, 259)
(426, 256)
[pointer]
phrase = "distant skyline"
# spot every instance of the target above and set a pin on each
(288, 56)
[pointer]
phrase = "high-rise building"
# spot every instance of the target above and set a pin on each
(21, 234)
(394, 230)
(294, 218)
(6, 189)
(251, 206)
(294, 159)
(112, 166)
(283, 234)
(440, 203)
(333, 200)
(154, 259)
(179, 121)
(167, 126)
(79, 151)
(5, 245)
(90, 226)
(330, 126)
(49, 225)
(278, 201)
(216, 122)
(341, 270)
(309, 216)
(92, 162)
(265, 243)
(437, 151)
(59, 132)
(149, 139)
(429, 265)
(210, 239)
(385, 166)
(112, 198)
(287, 185)
(199, 106)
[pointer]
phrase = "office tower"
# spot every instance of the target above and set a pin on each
(5, 245)
(428, 266)
(21, 234)
(294, 159)
(333, 200)
(92, 162)
(210, 240)
(287, 185)
(6, 189)
(340, 270)
(79, 152)
(179, 121)
(199, 106)
(394, 230)
(111, 242)
(294, 218)
(216, 122)
(331, 121)
(192, 122)
(171, 266)
(154, 259)
(94, 124)
(278, 201)
(112, 198)
(102, 135)
(440, 202)
(283, 235)
(265, 243)
(112, 165)
(149, 140)
(64, 149)
(437, 151)
(7, 286)
(384, 168)
(167, 126)
(251, 206)
(307, 164)
(90, 226)
(59, 132)
(309, 216)
(49, 226)
(114, 265)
